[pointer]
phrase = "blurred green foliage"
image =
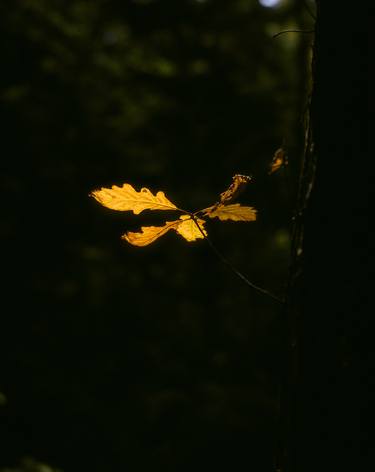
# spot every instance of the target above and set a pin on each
(30, 465)
(118, 358)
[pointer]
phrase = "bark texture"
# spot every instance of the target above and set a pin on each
(329, 305)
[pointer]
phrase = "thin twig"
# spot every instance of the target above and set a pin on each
(234, 269)
(183, 211)
(292, 31)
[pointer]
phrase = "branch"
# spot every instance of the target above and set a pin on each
(234, 269)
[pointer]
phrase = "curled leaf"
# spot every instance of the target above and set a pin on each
(234, 212)
(149, 234)
(189, 229)
(279, 160)
(185, 226)
(238, 185)
(126, 198)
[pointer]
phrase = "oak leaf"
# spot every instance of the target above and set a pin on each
(148, 234)
(234, 212)
(279, 160)
(185, 226)
(189, 226)
(126, 198)
(189, 229)
(238, 185)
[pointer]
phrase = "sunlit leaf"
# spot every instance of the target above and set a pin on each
(234, 212)
(126, 198)
(238, 185)
(279, 160)
(189, 229)
(149, 234)
(185, 226)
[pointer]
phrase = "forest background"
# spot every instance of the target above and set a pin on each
(123, 358)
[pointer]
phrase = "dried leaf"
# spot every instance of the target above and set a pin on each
(279, 160)
(185, 226)
(189, 229)
(234, 212)
(236, 187)
(149, 234)
(126, 198)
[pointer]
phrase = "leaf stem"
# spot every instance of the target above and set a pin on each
(185, 212)
(234, 269)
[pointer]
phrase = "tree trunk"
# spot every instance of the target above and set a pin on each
(328, 301)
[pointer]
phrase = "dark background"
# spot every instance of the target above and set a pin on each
(122, 358)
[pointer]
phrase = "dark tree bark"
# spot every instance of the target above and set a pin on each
(324, 403)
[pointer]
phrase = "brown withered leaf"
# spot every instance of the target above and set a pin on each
(185, 226)
(279, 160)
(126, 198)
(149, 234)
(233, 212)
(238, 185)
(189, 229)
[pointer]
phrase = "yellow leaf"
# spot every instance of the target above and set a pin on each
(189, 229)
(149, 234)
(234, 212)
(279, 160)
(185, 226)
(126, 198)
(237, 186)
